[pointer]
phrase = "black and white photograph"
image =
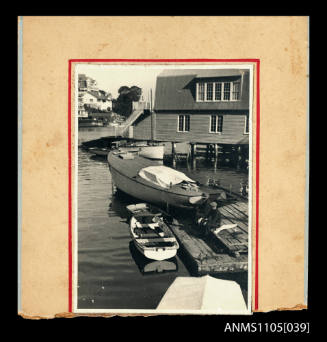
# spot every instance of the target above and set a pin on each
(162, 221)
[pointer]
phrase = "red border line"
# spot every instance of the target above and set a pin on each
(70, 61)
(70, 268)
(254, 60)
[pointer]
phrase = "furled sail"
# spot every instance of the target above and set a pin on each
(164, 176)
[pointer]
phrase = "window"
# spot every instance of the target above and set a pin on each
(216, 124)
(183, 123)
(246, 125)
(209, 91)
(91, 100)
(200, 93)
(213, 124)
(218, 91)
(187, 123)
(220, 124)
(227, 91)
(236, 91)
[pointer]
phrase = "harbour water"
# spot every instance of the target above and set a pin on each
(112, 274)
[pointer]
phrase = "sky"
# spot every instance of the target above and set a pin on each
(110, 80)
(110, 77)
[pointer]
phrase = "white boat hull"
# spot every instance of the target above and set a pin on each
(159, 253)
(125, 177)
(152, 152)
(148, 194)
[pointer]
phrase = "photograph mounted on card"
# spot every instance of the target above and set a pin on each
(163, 168)
(162, 187)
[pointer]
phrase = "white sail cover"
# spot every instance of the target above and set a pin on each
(205, 293)
(163, 176)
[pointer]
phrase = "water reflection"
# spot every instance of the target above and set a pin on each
(147, 266)
(111, 274)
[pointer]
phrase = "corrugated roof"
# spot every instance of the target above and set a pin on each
(175, 90)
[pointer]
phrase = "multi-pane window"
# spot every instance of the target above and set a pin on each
(209, 91)
(200, 94)
(220, 124)
(186, 123)
(236, 91)
(226, 91)
(213, 124)
(216, 124)
(218, 91)
(246, 125)
(183, 123)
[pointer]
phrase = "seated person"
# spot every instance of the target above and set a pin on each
(211, 218)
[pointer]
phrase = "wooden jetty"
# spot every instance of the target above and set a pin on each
(208, 255)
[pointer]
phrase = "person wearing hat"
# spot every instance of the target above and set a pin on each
(211, 218)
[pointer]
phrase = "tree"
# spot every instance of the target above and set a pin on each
(123, 104)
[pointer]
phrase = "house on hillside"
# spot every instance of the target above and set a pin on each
(198, 106)
(98, 100)
(86, 83)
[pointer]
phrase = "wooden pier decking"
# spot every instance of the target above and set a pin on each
(207, 255)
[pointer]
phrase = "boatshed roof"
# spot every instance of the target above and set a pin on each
(175, 89)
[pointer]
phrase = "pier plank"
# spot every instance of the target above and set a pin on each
(237, 211)
(206, 255)
(226, 215)
(241, 206)
(235, 215)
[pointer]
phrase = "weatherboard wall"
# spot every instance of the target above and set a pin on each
(142, 129)
(233, 128)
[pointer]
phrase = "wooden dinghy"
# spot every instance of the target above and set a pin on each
(150, 233)
(150, 181)
(152, 152)
(145, 150)
(150, 267)
(99, 151)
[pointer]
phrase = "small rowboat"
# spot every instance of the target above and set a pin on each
(99, 151)
(150, 233)
(151, 267)
(147, 151)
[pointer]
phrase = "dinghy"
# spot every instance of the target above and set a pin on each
(147, 151)
(150, 233)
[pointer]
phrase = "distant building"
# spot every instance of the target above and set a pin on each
(98, 100)
(89, 96)
(86, 83)
(197, 105)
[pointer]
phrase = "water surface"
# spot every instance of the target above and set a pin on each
(112, 274)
